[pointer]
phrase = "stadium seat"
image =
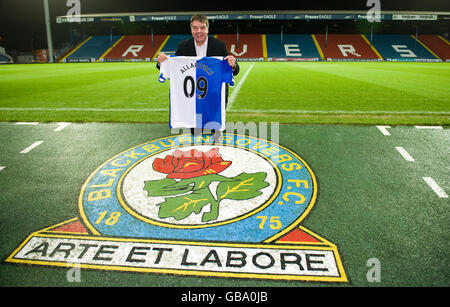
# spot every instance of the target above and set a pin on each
(346, 47)
(4, 59)
(297, 47)
(249, 46)
(401, 48)
(92, 49)
(170, 47)
(272, 47)
(135, 48)
(437, 44)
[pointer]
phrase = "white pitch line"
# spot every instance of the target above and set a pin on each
(27, 123)
(383, 130)
(238, 88)
(31, 147)
(61, 126)
(85, 109)
(405, 154)
(435, 187)
(330, 112)
(430, 127)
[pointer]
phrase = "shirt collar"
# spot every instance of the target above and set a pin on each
(205, 44)
(201, 51)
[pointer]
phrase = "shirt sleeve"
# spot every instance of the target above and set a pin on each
(227, 73)
(165, 70)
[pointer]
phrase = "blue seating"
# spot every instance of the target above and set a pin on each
(293, 46)
(4, 59)
(93, 48)
(172, 43)
(289, 47)
(401, 48)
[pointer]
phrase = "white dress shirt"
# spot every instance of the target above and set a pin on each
(201, 50)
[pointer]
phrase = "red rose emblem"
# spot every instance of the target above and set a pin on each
(191, 163)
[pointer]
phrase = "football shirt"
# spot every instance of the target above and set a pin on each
(197, 91)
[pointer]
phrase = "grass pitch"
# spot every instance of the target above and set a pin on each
(311, 92)
(372, 202)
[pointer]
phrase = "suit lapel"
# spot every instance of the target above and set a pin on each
(191, 51)
(210, 48)
(210, 51)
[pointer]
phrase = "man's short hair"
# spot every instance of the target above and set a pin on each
(201, 18)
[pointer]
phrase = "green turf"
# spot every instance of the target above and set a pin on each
(311, 92)
(354, 86)
(371, 203)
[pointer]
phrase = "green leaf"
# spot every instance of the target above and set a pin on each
(182, 206)
(165, 187)
(202, 182)
(243, 186)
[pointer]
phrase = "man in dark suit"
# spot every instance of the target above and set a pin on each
(201, 45)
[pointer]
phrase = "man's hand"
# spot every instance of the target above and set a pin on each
(161, 58)
(231, 60)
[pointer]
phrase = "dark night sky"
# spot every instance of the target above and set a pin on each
(23, 20)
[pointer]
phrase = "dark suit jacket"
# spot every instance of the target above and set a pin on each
(216, 47)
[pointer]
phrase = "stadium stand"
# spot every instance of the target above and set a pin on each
(271, 47)
(249, 46)
(347, 47)
(63, 51)
(4, 59)
(291, 47)
(437, 44)
(402, 48)
(134, 48)
(284, 35)
(91, 49)
(170, 45)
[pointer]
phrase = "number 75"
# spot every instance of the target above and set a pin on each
(274, 222)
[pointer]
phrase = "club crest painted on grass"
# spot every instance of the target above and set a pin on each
(188, 205)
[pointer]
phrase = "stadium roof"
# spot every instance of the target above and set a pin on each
(252, 15)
